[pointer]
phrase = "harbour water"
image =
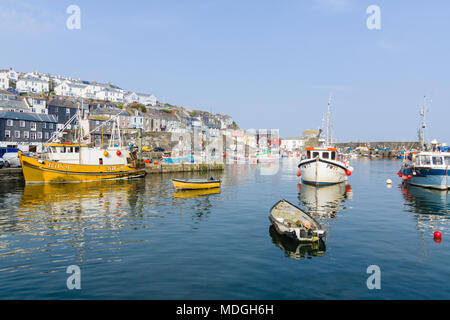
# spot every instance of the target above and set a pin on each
(140, 239)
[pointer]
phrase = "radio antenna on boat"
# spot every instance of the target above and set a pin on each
(422, 124)
(328, 138)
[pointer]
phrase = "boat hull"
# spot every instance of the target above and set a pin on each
(44, 171)
(319, 172)
(433, 178)
(189, 185)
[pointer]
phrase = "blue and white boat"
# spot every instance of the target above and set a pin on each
(427, 168)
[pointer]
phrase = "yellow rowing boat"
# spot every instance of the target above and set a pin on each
(193, 184)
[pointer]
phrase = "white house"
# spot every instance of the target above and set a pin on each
(37, 105)
(142, 98)
(110, 94)
(4, 81)
(137, 119)
(292, 144)
(10, 73)
(32, 85)
(70, 89)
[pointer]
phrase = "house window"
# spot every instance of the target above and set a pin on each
(46, 135)
(51, 125)
(7, 134)
(67, 110)
(39, 135)
(26, 134)
(9, 123)
(44, 125)
(17, 134)
(33, 135)
(33, 126)
(22, 123)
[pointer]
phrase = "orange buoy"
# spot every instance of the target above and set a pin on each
(299, 173)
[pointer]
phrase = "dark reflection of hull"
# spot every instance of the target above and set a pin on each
(426, 201)
(324, 202)
(431, 208)
(295, 249)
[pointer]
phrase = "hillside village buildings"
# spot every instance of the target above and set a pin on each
(34, 106)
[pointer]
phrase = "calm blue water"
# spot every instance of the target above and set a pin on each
(140, 240)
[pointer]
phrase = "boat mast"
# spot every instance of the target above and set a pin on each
(328, 139)
(422, 125)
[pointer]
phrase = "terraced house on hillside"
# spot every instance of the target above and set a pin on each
(26, 131)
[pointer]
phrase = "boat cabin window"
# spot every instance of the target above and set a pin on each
(315, 154)
(325, 155)
(77, 149)
(447, 161)
(437, 161)
(425, 160)
(308, 155)
(333, 155)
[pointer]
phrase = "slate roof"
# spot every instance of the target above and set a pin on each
(27, 116)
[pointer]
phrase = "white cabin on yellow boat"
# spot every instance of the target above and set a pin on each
(82, 154)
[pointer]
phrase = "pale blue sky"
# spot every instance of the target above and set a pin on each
(269, 64)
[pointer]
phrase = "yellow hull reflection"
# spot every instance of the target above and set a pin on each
(193, 185)
(195, 193)
(43, 171)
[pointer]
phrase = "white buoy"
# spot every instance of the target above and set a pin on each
(388, 181)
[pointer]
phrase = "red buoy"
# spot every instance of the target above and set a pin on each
(404, 178)
(299, 173)
(409, 176)
(348, 172)
(399, 174)
(118, 152)
(437, 235)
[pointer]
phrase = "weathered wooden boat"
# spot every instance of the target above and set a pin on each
(193, 184)
(293, 222)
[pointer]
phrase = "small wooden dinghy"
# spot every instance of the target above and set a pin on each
(294, 222)
(193, 184)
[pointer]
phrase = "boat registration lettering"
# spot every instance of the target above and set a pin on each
(329, 166)
(57, 166)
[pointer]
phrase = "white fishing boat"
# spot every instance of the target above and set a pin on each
(324, 165)
(427, 168)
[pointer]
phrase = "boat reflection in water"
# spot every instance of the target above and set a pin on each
(195, 193)
(295, 249)
(324, 202)
(57, 204)
(431, 207)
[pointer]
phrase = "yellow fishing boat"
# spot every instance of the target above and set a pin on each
(76, 163)
(192, 184)
(68, 162)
